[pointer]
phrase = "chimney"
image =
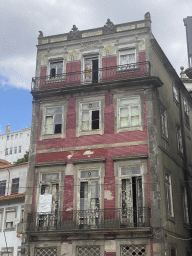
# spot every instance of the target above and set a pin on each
(8, 128)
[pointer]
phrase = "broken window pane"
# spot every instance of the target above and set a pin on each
(90, 118)
(95, 119)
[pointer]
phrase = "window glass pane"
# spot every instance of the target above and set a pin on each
(133, 170)
(123, 117)
(94, 189)
(10, 216)
(57, 110)
(85, 107)
(96, 105)
(58, 119)
(90, 174)
(50, 176)
(49, 125)
(85, 120)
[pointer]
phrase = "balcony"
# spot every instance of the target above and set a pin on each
(86, 77)
(74, 221)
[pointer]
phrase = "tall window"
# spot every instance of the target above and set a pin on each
(19, 149)
(131, 195)
(15, 150)
(90, 116)
(2, 187)
(127, 59)
(10, 151)
(164, 122)
(53, 120)
(175, 93)
(6, 151)
(56, 69)
(91, 69)
(179, 139)
(89, 197)
(169, 197)
(15, 186)
(186, 111)
(129, 112)
(10, 217)
(185, 205)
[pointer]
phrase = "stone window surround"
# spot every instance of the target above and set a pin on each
(45, 170)
(44, 244)
(10, 209)
(118, 177)
(42, 114)
(168, 172)
(88, 243)
(90, 99)
(88, 166)
(141, 241)
(129, 94)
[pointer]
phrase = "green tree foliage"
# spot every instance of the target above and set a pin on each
(24, 159)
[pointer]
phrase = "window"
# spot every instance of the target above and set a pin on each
(6, 151)
(12, 137)
(19, 149)
(131, 196)
(186, 111)
(1, 218)
(7, 137)
(16, 136)
(2, 187)
(90, 116)
(175, 93)
(15, 186)
(10, 217)
(91, 69)
(179, 140)
(164, 122)
(8, 251)
(56, 69)
(169, 197)
(129, 112)
(127, 59)
(15, 150)
(22, 214)
(185, 205)
(88, 250)
(53, 120)
(89, 197)
(21, 135)
(173, 252)
(129, 250)
(10, 151)
(46, 251)
(48, 200)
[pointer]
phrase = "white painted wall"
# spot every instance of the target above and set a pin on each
(12, 140)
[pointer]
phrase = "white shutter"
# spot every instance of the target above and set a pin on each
(10, 216)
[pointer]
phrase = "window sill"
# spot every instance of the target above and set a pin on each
(176, 102)
(51, 136)
(132, 128)
(165, 138)
(126, 70)
(9, 229)
(55, 80)
(92, 132)
(170, 218)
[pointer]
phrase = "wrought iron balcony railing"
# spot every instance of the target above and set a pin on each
(89, 220)
(101, 75)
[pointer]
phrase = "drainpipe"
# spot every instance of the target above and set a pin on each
(8, 181)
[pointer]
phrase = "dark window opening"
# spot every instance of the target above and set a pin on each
(58, 128)
(95, 119)
(173, 252)
(15, 186)
(95, 71)
(43, 189)
(53, 72)
(2, 188)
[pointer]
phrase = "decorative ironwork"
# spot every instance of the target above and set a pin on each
(46, 251)
(129, 250)
(106, 74)
(88, 251)
(89, 219)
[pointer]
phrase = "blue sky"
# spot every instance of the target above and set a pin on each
(21, 20)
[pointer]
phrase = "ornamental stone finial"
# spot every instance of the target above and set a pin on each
(40, 34)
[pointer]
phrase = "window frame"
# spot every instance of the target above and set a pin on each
(1, 218)
(129, 95)
(12, 210)
(169, 196)
(186, 112)
(15, 186)
(184, 203)
(56, 61)
(3, 194)
(129, 66)
(179, 140)
(91, 56)
(164, 122)
(175, 93)
(43, 107)
(90, 100)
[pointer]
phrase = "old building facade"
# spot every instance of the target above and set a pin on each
(110, 159)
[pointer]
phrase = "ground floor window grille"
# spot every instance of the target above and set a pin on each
(129, 250)
(88, 251)
(46, 251)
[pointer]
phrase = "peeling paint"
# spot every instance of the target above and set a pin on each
(69, 156)
(108, 195)
(69, 209)
(88, 152)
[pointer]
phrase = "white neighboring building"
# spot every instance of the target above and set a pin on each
(13, 145)
(12, 199)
